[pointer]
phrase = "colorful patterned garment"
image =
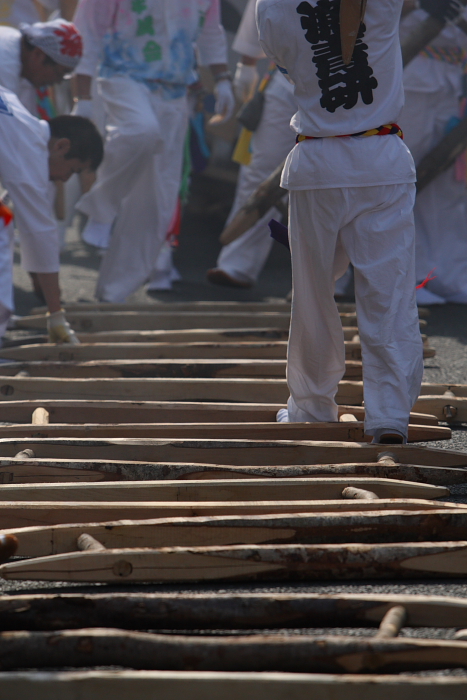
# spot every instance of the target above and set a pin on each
(385, 130)
(150, 41)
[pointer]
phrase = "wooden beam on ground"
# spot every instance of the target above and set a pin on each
(162, 368)
(343, 431)
(276, 305)
(44, 513)
(246, 610)
(173, 685)
(310, 528)
(168, 320)
(224, 390)
(298, 489)
(34, 471)
(82, 411)
(229, 452)
(452, 409)
(82, 321)
(249, 563)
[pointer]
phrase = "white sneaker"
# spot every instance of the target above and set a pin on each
(97, 234)
(282, 416)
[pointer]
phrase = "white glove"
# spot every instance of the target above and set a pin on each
(82, 108)
(225, 100)
(60, 330)
(245, 81)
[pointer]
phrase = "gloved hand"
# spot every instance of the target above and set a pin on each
(225, 100)
(82, 108)
(60, 330)
(245, 81)
(443, 10)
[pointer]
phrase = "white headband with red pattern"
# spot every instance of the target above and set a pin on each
(59, 39)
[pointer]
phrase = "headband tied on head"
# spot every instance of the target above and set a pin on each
(60, 40)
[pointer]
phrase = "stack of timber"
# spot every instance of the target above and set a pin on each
(150, 454)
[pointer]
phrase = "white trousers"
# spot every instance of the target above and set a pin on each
(372, 227)
(441, 207)
(138, 182)
(245, 257)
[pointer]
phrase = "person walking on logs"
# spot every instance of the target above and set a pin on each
(146, 52)
(351, 182)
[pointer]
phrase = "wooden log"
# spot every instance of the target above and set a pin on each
(44, 513)
(222, 490)
(173, 368)
(222, 610)
(275, 562)
(31, 470)
(82, 411)
(167, 685)
(168, 320)
(451, 409)
(228, 452)
(293, 654)
(346, 431)
(341, 527)
(278, 305)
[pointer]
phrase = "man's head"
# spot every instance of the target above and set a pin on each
(49, 50)
(75, 145)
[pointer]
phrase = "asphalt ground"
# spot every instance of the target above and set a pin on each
(199, 247)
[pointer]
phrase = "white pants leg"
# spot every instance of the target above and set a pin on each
(245, 257)
(133, 136)
(373, 228)
(6, 275)
(441, 207)
(147, 211)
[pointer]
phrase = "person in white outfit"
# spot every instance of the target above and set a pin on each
(351, 182)
(34, 56)
(33, 152)
(146, 52)
(433, 83)
(240, 262)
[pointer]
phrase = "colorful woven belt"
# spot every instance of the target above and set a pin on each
(384, 130)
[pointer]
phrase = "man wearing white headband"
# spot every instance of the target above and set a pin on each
(36, 55)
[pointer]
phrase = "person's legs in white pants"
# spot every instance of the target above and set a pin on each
(373, 228)
(146, 213)
(6, 276)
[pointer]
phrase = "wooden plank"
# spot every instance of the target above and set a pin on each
(168, 320)
(300, 489)
(229, 452)
(275, 562)
(310, 528)
(29, 471)
(277, 305)
(451, 409)
(174, 685)
(82, 411)
(346, 431)
(43, 513)
(239, 389)
(262, 652)
(174, 368)
(222, 610)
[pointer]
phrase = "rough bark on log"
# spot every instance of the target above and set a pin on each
(187, 611)
(139, 650)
